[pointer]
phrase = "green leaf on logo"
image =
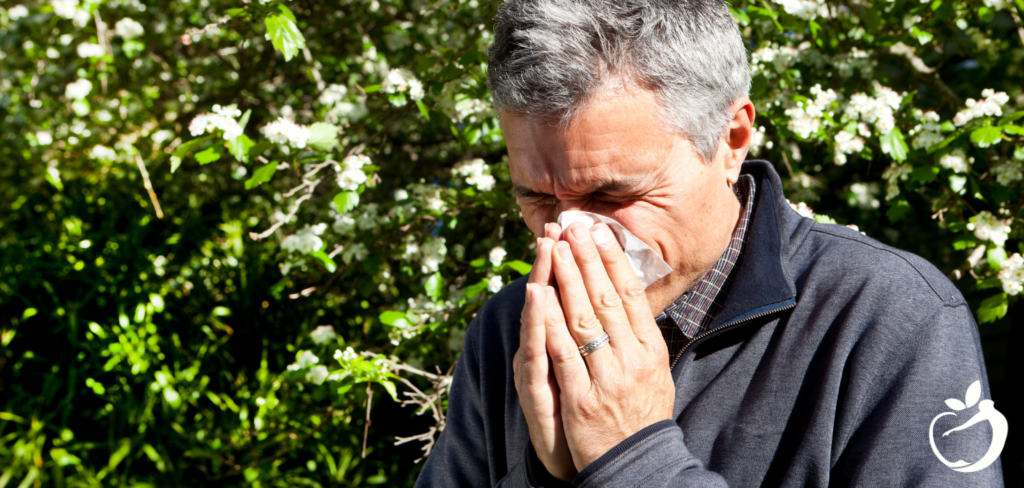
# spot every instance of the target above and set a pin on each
(322, 136)
(261, 175)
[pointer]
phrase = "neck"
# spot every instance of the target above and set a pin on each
(662, 293)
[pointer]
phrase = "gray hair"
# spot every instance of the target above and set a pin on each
(549, 57)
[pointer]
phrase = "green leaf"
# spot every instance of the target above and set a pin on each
(520, 267)
(921, 36)
(29, 312)
(475, 289)
(924, 174)
(345, 201)
(390, 387)
(175, 162)
(239, 148)
(284, 35)
(898, 211)
(478, 262)
(986, 14)
(434, 286)
(1014, 129)
(261, 175)
(996, 257)
(327, 260)
(53, 177)
(964, 243)
(185, 150)
(423, 110)
(894, 145)
(322, 136)
(208, 155)
(259, 148)
(389, 317)
(740, 15)
(1011, 117)
(986, 136)
(285, 11)
(242, 122)
(989, 283)
(993, 308)
(372, 89)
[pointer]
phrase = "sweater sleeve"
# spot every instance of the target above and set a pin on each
(654, 456)
(912, 383)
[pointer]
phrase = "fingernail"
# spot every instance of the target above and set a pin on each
(579, 232)
(529, 291)
(602, 235)
(564, 251)
(546, 226)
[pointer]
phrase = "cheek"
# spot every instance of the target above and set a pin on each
(536, 217)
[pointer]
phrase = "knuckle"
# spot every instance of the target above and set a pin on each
(633, 291)
(609, 300)
(563, 354)
(588, 323)
(587, 257)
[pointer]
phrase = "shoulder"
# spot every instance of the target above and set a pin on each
(495, 329)
(845, 264)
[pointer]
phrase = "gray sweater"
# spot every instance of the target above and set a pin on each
(829, 360)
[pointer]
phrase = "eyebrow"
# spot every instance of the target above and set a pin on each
(606, 187)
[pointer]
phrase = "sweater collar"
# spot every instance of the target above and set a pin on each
(760, 284)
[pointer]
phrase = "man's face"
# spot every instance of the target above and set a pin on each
(615, 159)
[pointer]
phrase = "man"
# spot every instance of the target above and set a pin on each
(778, 352)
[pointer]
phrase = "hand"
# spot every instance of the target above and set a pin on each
(620, 388)
(534, 379)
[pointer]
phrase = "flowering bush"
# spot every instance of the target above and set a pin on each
(229, 229)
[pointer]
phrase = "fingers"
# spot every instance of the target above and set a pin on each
(531, 332)
(587, 291)
(570, 370)
(553, 231)
(628, 287)
(541, 271)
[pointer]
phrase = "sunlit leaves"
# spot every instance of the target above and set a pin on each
(284, 34)
(261, 175)
(322, 136)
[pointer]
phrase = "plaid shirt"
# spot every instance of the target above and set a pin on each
(694, 310)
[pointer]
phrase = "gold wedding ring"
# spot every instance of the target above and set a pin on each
(594, 345)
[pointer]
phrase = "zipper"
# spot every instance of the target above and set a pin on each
(724, 327)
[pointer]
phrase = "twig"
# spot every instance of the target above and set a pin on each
(101, 36)
(320, 85)
(295, 208)
(149, 185)
(366, 428)
(186, 38)
(785, 159)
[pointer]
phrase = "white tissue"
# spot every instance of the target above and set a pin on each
(647, 264)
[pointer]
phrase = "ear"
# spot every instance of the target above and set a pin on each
(736, 140)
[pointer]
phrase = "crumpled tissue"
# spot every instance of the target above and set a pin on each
(647, 264)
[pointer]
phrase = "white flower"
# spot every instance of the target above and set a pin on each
(284, 131)
(78, 90)
(343, 224)
(401, 195)
(221, 119)
(991, 105)
(756, 140)
(1012, 274)
(305, 240)
(864, 195)
(103, 153)
(987, 227)
(805, 9)
(434, 251)
(494, 284)
(1008, 173)
(90, 50)
(43, 138)
(68, 9)
(322, 334)
(304, 360)
(473, 170)
(416, 89)
(877, 110)
(847, 143)
(352, 176)
(128, 28)
(354, 252)
(16, 12)
(806, 118)
(497, 255)
(317, 375)
(802, 209)
(357, 161)
(955, 160)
